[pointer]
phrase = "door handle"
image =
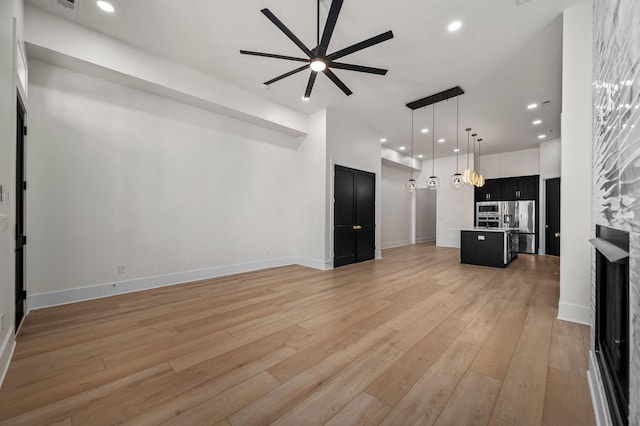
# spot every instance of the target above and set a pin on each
(557, 235)
(546, 226)
(357, 227)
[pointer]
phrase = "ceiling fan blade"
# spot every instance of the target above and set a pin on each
(271, 55)
(329, 26)
(286, 31)
(359, 46)
(337, 81)
(312, 80)
(280, 77)
(359, 68)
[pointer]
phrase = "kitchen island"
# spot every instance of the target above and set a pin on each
(488, 246)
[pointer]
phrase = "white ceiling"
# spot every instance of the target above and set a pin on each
(504, 57)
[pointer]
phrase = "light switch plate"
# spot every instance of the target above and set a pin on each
(4, 222)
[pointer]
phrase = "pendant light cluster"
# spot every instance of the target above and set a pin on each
(470, 177)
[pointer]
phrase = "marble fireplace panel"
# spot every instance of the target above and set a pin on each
(616, 150)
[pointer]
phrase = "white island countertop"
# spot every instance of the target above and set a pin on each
(479, 229)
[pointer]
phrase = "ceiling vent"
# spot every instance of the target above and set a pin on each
(69, 4)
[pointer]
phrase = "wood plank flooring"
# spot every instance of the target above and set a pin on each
(415, 338)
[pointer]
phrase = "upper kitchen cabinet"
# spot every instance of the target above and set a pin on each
(489, 192)
(520, 188)
(509, 189)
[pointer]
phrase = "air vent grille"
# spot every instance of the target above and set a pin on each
(69, 4)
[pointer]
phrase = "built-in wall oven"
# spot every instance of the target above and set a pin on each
(488, 214)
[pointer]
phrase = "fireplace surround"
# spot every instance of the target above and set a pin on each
(612, 319)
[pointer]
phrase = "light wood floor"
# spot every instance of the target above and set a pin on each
(413, 339)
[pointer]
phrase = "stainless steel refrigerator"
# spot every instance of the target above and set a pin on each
(526, 226)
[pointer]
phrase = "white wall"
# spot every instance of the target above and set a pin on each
(454, 207)
(550, 167)
(9, 9)
(509, 164)
(396, 205)
(311, 190)
(575, 187)
(119, 176)
(352, 145)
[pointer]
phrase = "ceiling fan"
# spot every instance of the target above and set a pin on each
(317, 58)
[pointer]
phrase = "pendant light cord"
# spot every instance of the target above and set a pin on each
(433, 141)
(468, 130)
(412, 114)
(318, 31)
(457, 134)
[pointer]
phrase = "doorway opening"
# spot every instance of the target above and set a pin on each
(425, 215)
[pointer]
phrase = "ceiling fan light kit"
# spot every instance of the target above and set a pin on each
(317, 58)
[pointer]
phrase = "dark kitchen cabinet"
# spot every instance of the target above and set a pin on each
(528, 187)
(489, 192)
(509, 189)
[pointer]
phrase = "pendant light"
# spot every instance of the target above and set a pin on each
(480, 183)
(411, 185)
(474, 175)
(433, 182)
(456, 179)
(467, 175)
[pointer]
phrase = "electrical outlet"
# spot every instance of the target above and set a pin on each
(122, 268)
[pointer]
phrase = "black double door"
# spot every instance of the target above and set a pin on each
(21, 240)
(354, 216)
(552, 225)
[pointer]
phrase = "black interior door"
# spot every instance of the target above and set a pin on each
(20, 238)
(354, 216)
(552, 226)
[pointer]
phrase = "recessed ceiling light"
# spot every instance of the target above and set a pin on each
(536, 122)
(402, 148)
(106, 6)
(425, 130)
(383, 140)
(454, 26)
(456, 150)
(532, 106)
(440, 140)
(542, 136)
(420, 155)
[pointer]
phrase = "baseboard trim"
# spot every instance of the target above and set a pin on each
(425, 239)
(6, 353)
(322, 265)
(574, 313)
(63, 297)
(598, 399)
(393, 244)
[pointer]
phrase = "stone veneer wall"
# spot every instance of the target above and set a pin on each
(616, 149)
